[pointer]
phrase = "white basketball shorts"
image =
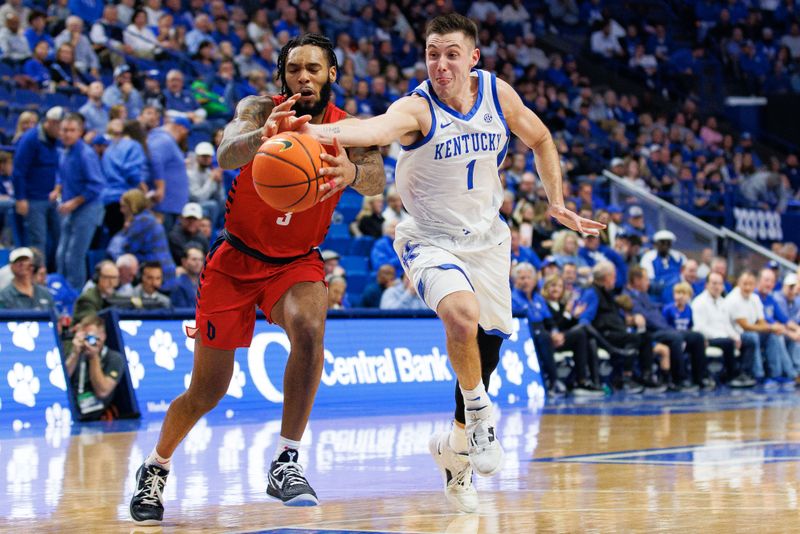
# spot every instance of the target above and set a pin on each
(439, 265)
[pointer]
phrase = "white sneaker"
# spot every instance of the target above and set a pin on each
(456, 473)
(485, 452)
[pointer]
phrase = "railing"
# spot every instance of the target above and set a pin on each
(693, 233)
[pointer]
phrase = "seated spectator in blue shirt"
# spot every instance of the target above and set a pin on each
(662, 264)
(36, 67)
(520, 254)
(402, 296)
(37, 30)
(123, 92)
(636, 224)
(386, 277)
(200, 34)
(679, 313)
(143, 236)
(786, 299)
(594, 251)
(383, 252)
(184, 295)
(662, 332)
(179, 100)
(79, 184)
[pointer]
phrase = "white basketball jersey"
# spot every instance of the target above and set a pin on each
(448, 180)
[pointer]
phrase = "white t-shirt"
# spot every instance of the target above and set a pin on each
(750, 309)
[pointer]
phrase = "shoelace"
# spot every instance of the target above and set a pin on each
(483, 435)
(153, 487)
(292, 472)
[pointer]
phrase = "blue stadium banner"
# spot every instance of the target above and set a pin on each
(33, 388)
(367, 360)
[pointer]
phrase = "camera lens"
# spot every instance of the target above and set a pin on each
(91, 340)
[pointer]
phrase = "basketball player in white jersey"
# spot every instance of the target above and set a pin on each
(454, 129)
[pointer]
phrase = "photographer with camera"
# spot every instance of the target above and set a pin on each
(94, 370)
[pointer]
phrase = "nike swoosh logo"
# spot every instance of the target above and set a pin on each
(446, 125)
(476, 398)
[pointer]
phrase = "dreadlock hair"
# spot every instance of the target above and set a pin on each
(313, 39)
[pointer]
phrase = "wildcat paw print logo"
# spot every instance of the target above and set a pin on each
(530, 352)
(53, 361)
(165, 350)
(495, 383)
(513, 367)
(24, 335)
(130, 327)
(58, 420)
(24, 384)
(135, 367)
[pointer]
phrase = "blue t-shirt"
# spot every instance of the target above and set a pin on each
(677, 319)
(772, 312)
(168, 165)
(536, 308)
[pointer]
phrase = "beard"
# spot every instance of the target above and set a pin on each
(314, 109)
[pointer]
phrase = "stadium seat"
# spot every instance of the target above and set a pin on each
(340, 245)
(355, 264)
(57, 99)
(361, 246)
(339, 231)
(348, 213)
(24, 99)
(356, 283)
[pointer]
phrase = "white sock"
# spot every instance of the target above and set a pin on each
(475, 399)
(156, 459)
(283, 444)
(458, 439)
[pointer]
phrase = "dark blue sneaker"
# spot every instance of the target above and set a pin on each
(287, 483)
(147, 503)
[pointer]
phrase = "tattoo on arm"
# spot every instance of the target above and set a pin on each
(371, 175)
(242, 135)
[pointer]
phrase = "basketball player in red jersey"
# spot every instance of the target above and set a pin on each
(269, 259)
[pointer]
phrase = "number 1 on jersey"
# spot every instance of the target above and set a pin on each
(470, 174)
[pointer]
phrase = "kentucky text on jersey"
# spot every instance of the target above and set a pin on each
(467, 144)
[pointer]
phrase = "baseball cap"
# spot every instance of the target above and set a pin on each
(747, 135)
(549, 260)
(790, 280)
(204, 149)
(100, 140)
(56, 113)
(617, 161)
(635, 211)
(192, 209)
(330, 255)
(772, 264)
(664, 235)
(122, 69)
(613, 208)
(19, 253)
(182, 121)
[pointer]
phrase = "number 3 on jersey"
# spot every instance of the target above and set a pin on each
(284, 221)
(470, 174)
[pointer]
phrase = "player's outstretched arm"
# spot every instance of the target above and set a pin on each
(527, 126)
(256, 117)
(401, 119)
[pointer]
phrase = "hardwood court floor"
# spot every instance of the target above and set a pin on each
(723, 462)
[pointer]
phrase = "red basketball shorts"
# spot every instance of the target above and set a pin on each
(232, 284)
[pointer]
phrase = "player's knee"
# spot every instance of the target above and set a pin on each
(203, 400)
(461, 328)
(305, 329)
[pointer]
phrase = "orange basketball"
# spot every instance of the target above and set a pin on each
(285, 171)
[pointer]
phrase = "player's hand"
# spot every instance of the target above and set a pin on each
(340, 169)
(282, 118)
(573, 221)
(22, 207)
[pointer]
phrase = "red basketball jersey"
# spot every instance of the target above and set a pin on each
(272, 232)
